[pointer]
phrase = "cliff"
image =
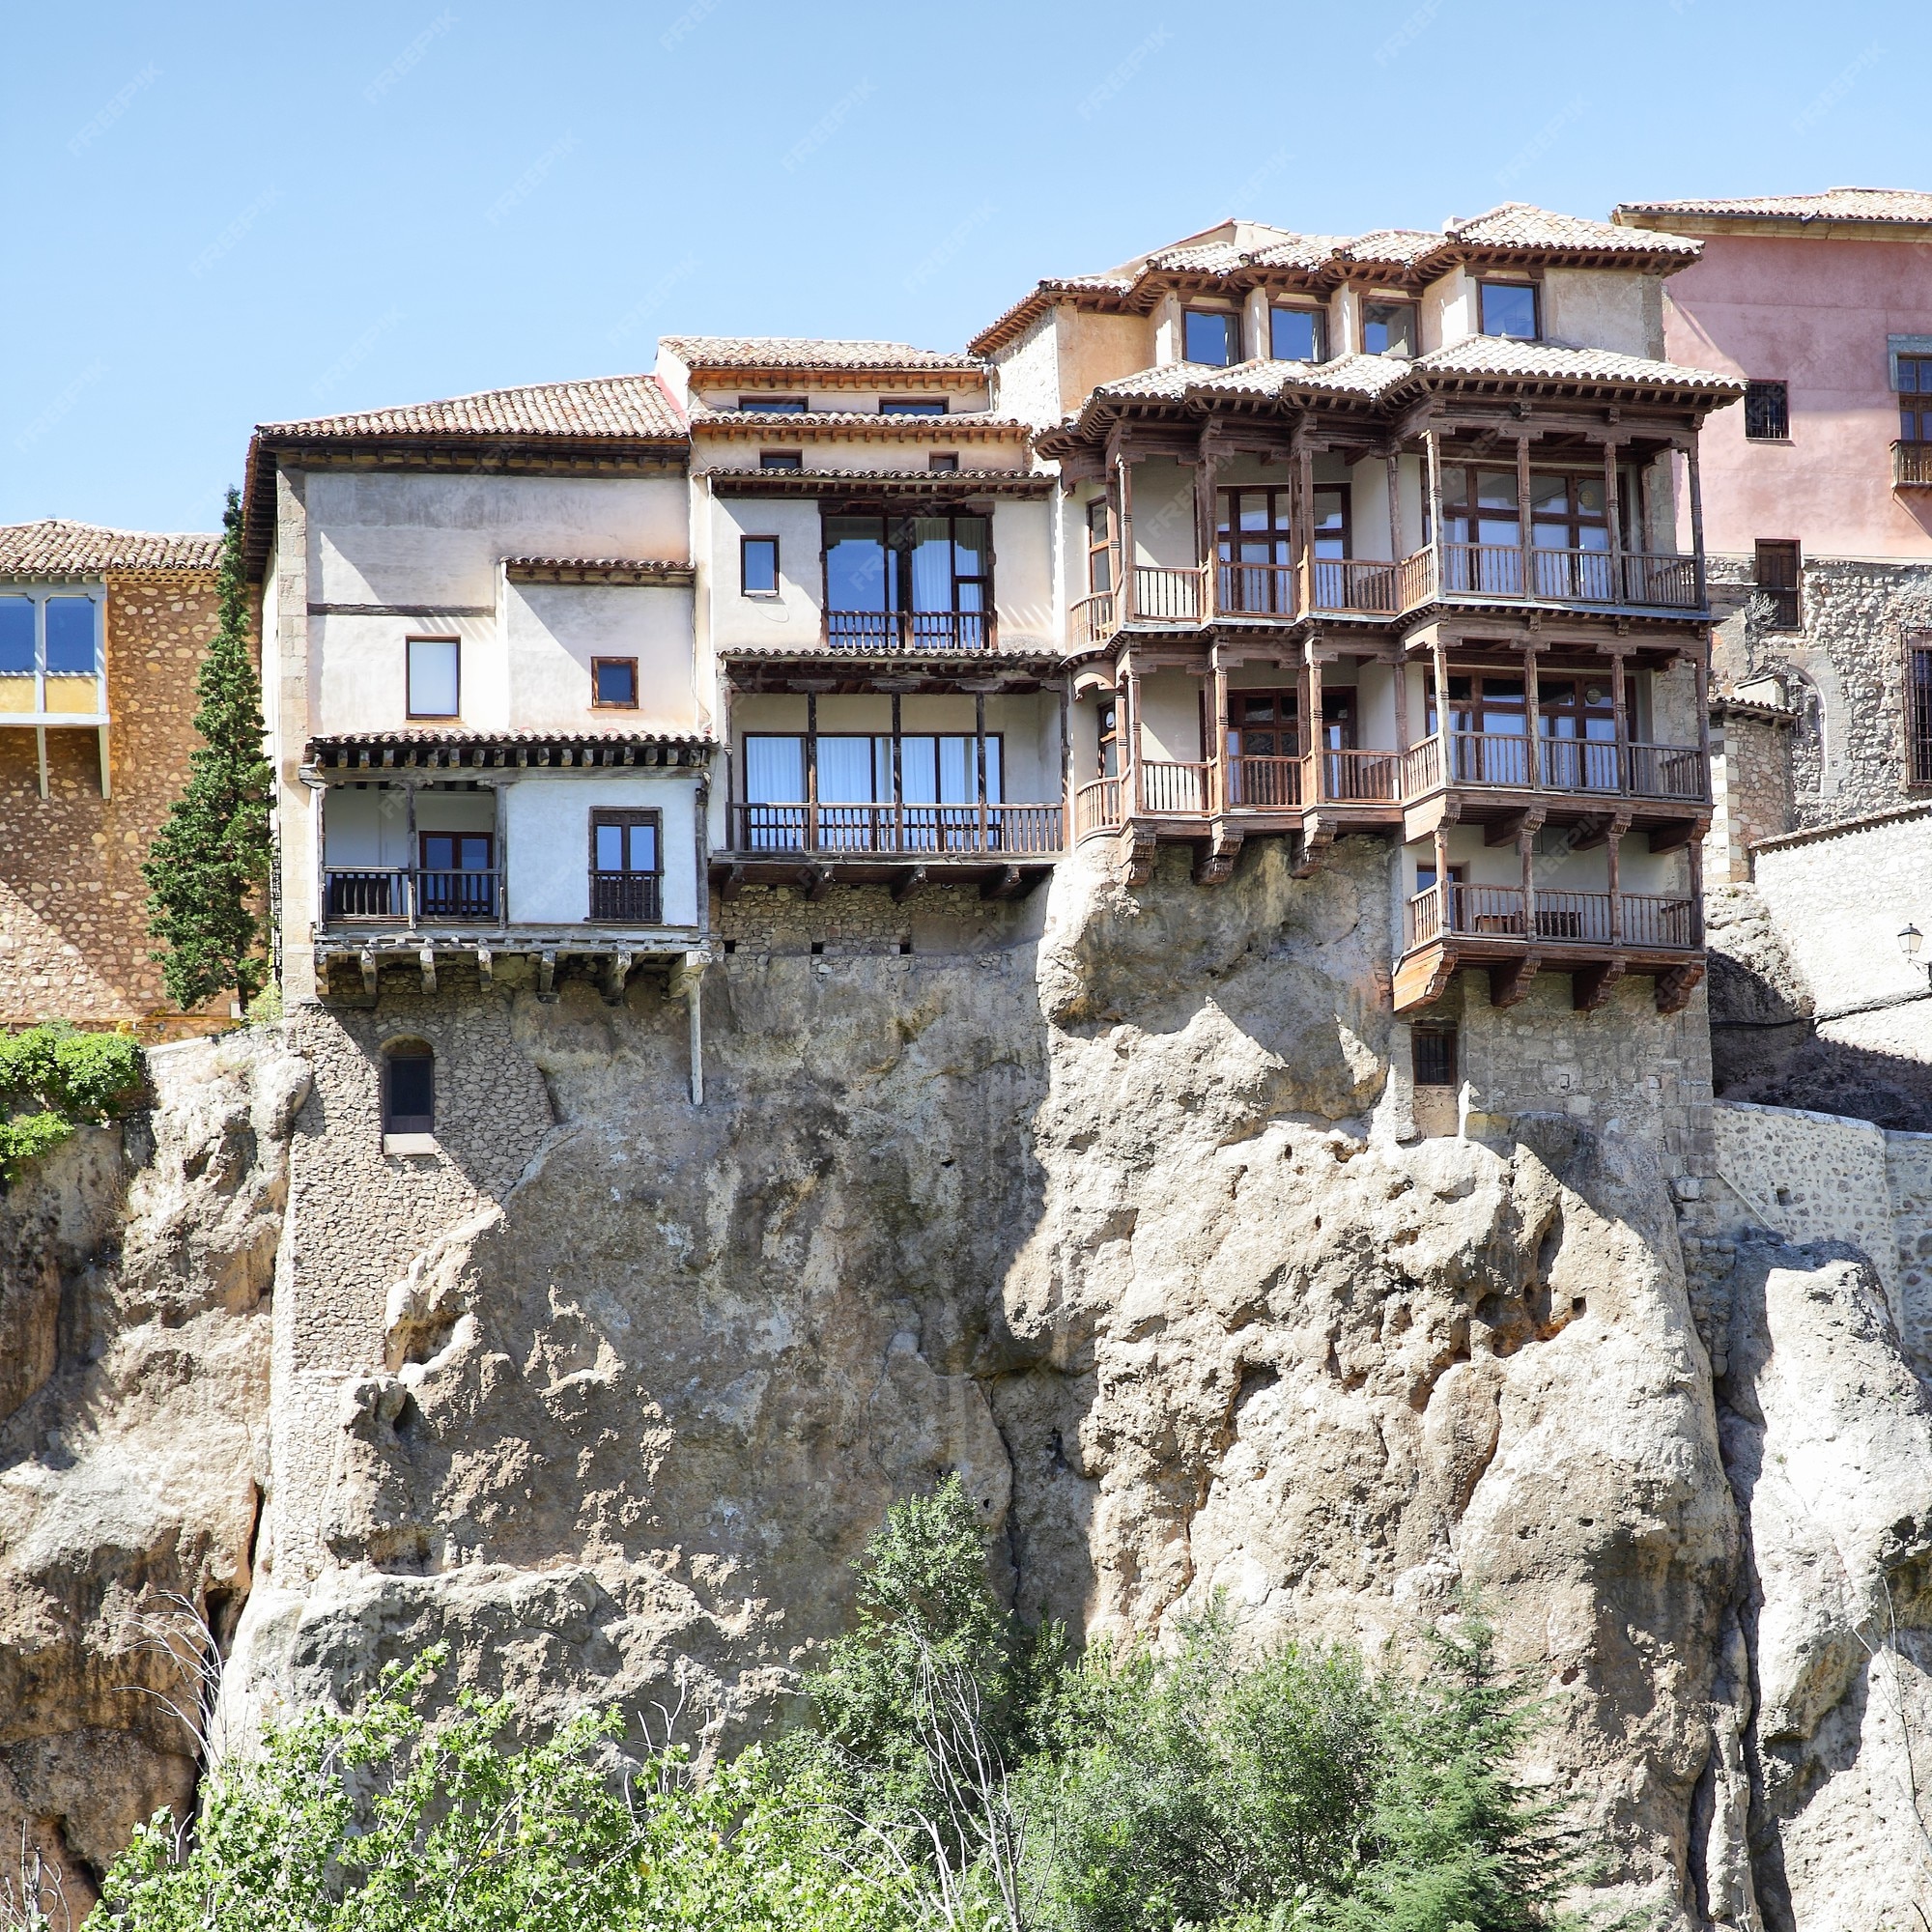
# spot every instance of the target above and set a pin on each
(1116, 1203)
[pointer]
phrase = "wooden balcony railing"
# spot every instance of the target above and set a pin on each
(1173, 790)
(1667, 771)
(1912, 466)
(1646, 921)
(1502, 759)
(1009, 830)
(1555, 576)
(1095, 619)
(909, 630)
(1350, 583)
(1255, 590)
(409, 895)
(1097, 806)
(625, 899)
(1353, 777)
(1168, 596)
(1263, 783)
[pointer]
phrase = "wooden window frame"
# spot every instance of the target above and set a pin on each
(1228, 315)
(1772, 403)
(1789, 597)
(996, 742)
(1373, 301)
(1100, 546)
(598, 703)
(395, 1125)
(899, 598)
(1914, 404)
(1917, 710)
(1107, 723)
(745, 544)
(409, 677)
(602, 815)
(943, 463)
(1287, 701)
(782, 462)
(1443, 1032)
(775, 406)
(1484, 283)
(914, 405)
(1315, 312)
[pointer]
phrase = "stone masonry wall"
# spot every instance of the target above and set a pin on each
(73, 939)
(1845, 670)
(1750, 787)
(864, 918)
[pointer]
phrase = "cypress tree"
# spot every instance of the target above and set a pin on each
(208, 866)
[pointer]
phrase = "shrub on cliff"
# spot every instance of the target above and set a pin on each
(208, 867)
(52, 1076)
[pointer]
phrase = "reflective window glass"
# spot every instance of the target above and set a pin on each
(1508, 308)
(70, 637)
(432, 677)
(1211, 337)
(855, 563)
(1295, 334)
(16, 637)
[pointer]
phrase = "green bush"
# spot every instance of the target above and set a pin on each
(53, 1075)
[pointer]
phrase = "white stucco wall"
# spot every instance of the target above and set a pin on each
(551, 632)
(737, 621)
(1604, 308)
(547, 840)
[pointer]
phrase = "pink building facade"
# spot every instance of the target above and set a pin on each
(1817, 491)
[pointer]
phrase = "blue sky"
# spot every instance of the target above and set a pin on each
(216, 215)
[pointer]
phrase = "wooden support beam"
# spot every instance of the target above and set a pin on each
(1516, 825)
(1214, 857)
(1315, 838)
(907, 882)
(1678, 834)
(1594, 832)
(733, 883)
(1675, 987)
(1591, 986)
(426, 965)
(1510, 979)
(815, 882)
(546, 976)
(1006, 883)
(617, 970)
(370, 978)
(486, 968)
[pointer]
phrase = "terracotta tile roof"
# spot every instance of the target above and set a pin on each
(1494, 356)
(597, 570)
(768, 426)
(1248, 253)
(914, 482)
(1894, 205)
(629, 409)
(58, 547)
(1517, 224)
(806, 353)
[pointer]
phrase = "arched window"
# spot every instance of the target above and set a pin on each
(409, 1089)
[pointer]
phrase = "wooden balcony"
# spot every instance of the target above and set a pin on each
(1912, 466)
(411, 896)
(1008, 848)
(1595, 937)
(1488, 573)
(1497, 775)
(908, 631)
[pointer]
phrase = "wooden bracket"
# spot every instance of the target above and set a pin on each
(426, 964)
(486, 968)
(1214, 857)
(367, 957)
(1315, 839)
(1006, 886)
(1591, 986)
(815, 882)
(616, 973)
(907, 882)
(546, 976)
(1516, 826)
(1134, 852)
(1594, 832)
(1675, 836)
(1675, 987)
(733, 883)
(1510, 979)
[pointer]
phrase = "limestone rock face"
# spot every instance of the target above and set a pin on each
(132, 1433)
(1120, 1209)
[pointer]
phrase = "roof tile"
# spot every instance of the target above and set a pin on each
(56, 546)
(1834, 204)
(802, 352)
(625, 409)
(1519, 224)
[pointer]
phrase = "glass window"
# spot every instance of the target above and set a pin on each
(781, 459)
(1297, 335)
(774, 406)
(1509, 309)
(1099, 556)
(433, 677)
(1388, 328)
(70, 637)
(1212, 336)
(856, 577)
(614, 681)
(16, 637)
(758, 566)
(625, 844)
(1767, 411)
(1914, 399)
(943, 460)
(912, 406)
(773, 769)
(409, 1098)
(1919, 696)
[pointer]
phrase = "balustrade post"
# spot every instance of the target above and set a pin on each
(979, 746)
(1439, 654)
(1305, 518)
(1613, 524)
(1532, 717)
(1445, 899)
(1218, 766)
(1433, 449)
(1613, 852)
(1524, 533)
(1693, 854)
(898, 789)
(1130, 734)
(410, 855)
(1701, 675)
(1319, 735)
(1525, 841)
(1620, 725)
(812, 771)
(1129, 590)
(1696, 524)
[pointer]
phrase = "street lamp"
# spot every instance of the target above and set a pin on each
(1909, 942)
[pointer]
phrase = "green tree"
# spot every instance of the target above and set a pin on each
(208, 866)
(1458, 1843)
(53, 1075)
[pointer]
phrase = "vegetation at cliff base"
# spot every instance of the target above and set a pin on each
(208, 867)
(53, 1076)
(964, 1771)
